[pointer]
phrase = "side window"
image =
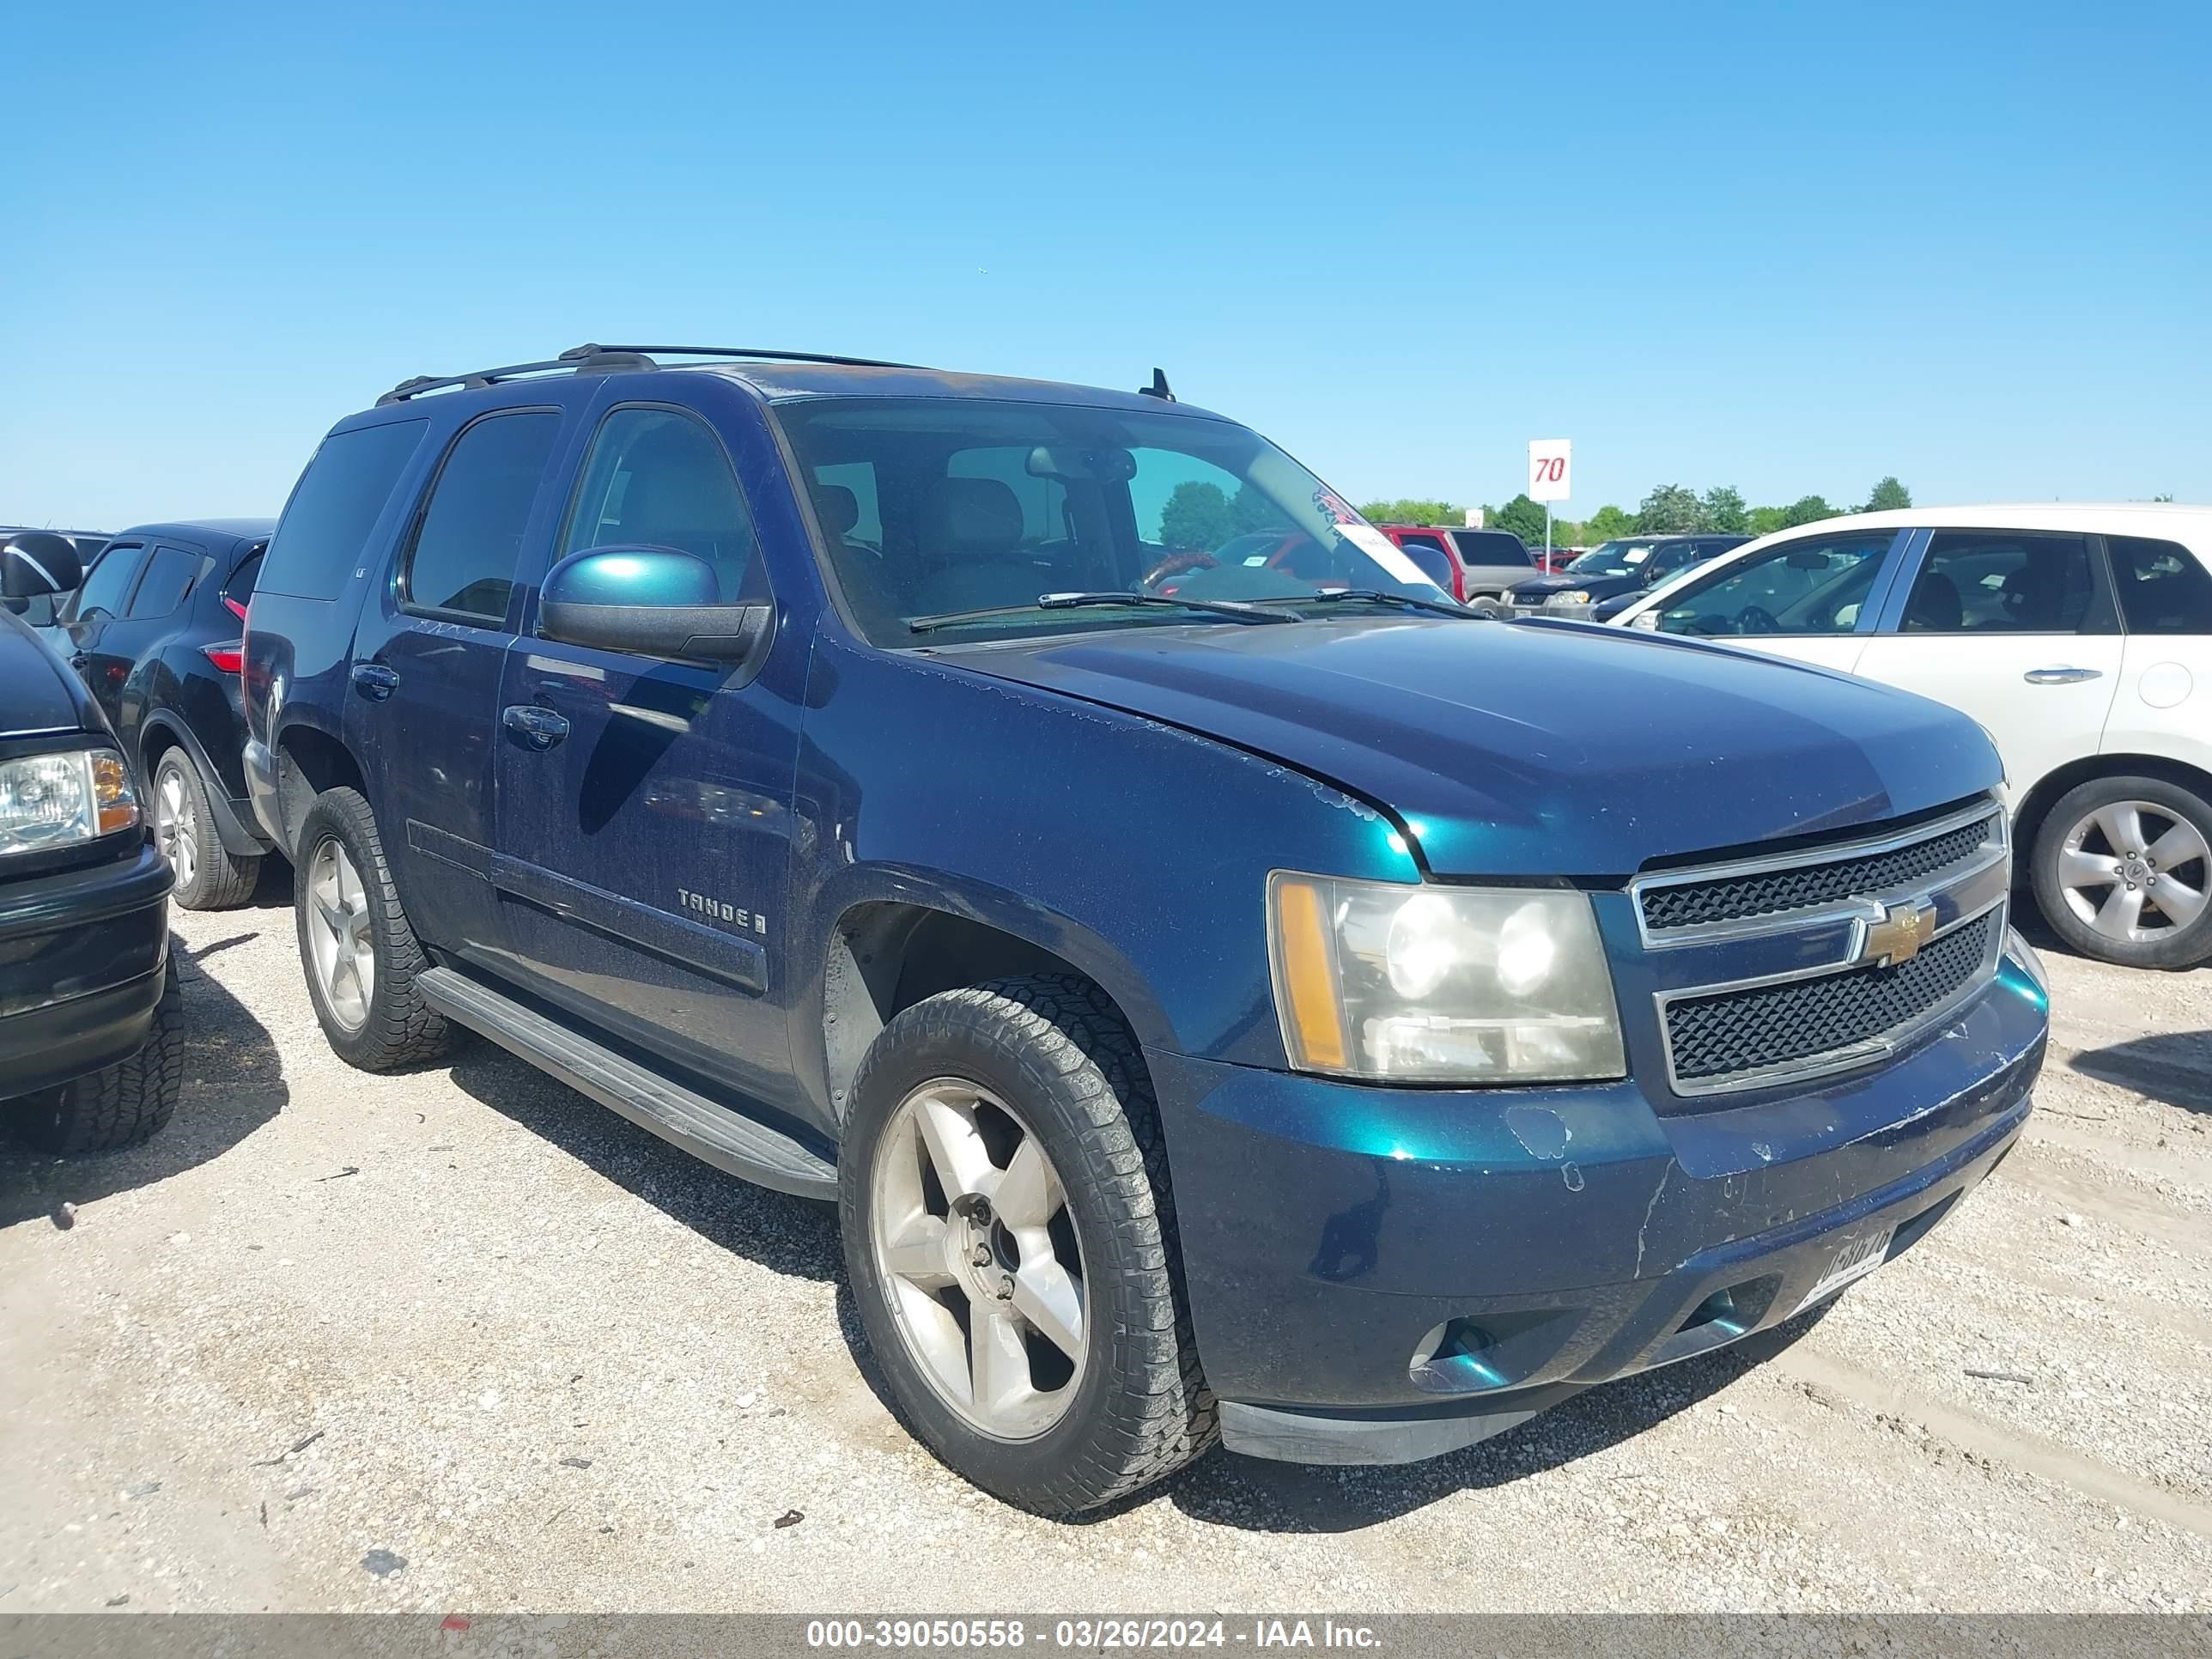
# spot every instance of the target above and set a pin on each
(335, 505)
(2163, 589)
(1977, 581)
(658, 478)
(1410, 539)
(169, 575)
(471, 533)
(107, 583)
(1043, 501)
(1815, 585)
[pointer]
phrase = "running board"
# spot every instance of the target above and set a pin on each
(683, 1117)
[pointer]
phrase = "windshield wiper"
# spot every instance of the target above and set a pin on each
(1378, 596)
(1070, 601)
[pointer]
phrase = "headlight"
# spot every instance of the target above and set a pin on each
(1648, 619)
(58, 801)
(1440, 984)
(1572, 596)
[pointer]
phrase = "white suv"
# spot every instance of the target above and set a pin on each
(2080, 636)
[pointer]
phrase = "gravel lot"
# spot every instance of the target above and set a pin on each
(462, 1339)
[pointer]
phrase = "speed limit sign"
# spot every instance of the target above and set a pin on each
(1551, 469)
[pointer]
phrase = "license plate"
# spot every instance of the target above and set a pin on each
(1853, 1261)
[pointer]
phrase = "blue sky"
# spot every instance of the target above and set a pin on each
(1788, 248)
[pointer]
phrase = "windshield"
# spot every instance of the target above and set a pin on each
(1621, 558)
(933, 507)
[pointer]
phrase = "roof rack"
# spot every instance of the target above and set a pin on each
(605, 360)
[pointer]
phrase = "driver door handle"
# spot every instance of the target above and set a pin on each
(538, 727)
(374, 681)
(2062, 676)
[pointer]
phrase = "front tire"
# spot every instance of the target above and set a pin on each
(208, 877)
(127, 1102)
(361, 955)
(2123, 871)
(1010, 1238)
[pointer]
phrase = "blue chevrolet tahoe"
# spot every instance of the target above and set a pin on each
(1228, 1012)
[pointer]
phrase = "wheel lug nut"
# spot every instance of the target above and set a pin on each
(980, 1256)
(1007, 1287)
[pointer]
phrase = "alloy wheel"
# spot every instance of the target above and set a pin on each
(174, 827)
(977, 1253)
(340, 944)
(2136, 872)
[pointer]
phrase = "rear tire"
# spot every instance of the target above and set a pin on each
(208, 877)
(361, 956)
(121, 1106)
(2082, 871)
(1048, 1068)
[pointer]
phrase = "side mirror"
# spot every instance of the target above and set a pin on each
(36, 562)
(648, 602)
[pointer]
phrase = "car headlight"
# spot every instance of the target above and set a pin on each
(1647, 619)
(57, 800)
(1424, 984)
(1572, 596)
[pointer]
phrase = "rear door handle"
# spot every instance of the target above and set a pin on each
(374, 681)
(2062, 676)
(538, 727)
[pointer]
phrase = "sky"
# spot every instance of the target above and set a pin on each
(1787, 248)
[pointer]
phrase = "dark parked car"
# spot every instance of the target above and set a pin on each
(40, 610)
(1292, 1007)
(1617, 569)
(91, 1018)
(157, 632)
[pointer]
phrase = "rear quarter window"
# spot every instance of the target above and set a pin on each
(2163, 589)
(326, 524)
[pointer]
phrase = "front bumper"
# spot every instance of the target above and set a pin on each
(82, 954)
(1561, 1238)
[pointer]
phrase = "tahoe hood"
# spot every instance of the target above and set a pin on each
(1533, 748)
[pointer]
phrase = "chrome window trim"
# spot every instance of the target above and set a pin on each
(1833, 1060)
(1868, 907)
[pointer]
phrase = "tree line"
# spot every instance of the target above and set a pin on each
(1668, 510)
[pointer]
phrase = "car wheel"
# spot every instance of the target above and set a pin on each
(361, 955)
(121, 1106)
(2122, 872)
(207, 877)
(1011, 1241)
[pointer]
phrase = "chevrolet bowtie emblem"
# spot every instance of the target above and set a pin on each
(1898, 936)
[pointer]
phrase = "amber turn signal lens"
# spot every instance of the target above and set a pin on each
(117, 801)
(1314, 1020)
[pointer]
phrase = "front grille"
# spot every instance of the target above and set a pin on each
(1806, 886)
(1795, 1023)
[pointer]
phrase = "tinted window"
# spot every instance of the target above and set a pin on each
(107, 582)
(1815, 585)
(320, 538)
(1492, 547)
(240, 588)
(1974, 581)
(657, 478)
(2163, 588)
(1412, 538)
(168, 576)
(471, 534)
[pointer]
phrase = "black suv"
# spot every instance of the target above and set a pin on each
(157, 630)
(91, 1018)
